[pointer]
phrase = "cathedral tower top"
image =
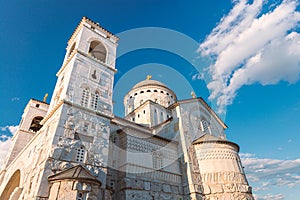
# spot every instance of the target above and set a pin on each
(148, 89)
(147, 102)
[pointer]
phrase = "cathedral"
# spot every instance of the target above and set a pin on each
(75, 148)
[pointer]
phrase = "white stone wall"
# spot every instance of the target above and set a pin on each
(31, 163)
(219, 171)
(149, 114)
(23, 135)
(217, 157)
(143, 150)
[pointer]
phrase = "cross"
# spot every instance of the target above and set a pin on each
(45, 97)
(193, 94)
(149, 77)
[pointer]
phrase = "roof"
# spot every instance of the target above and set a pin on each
(203, 102)
(92, 23)
(39, 101)
(77, 172)
(208, 138)
(149, 82)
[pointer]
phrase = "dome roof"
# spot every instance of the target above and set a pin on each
(149, 82)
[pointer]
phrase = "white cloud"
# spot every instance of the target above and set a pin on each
(15, 99)
(5, 142)
(249, 46)
(269, 173)
(4, 148)
(270, 196)
(12, 129)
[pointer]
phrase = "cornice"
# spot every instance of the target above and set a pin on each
(95, 25)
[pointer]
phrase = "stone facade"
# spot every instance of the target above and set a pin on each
(75, 148)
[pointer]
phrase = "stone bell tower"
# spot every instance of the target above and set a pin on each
(82, 106)
(66, 157)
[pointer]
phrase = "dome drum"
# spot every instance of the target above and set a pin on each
(148, 90)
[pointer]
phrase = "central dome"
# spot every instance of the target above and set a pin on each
(148, 89)
(149, 83)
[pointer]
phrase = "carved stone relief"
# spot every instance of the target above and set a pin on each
(193, 159)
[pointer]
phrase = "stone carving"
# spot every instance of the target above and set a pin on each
(229, 187)
(175, 189)
(147, 185)
(193, 159)
(94, 170)
(78, 122)
(229, 196)
(216, 188)
(57, 165)
(217, 154)
(70, 127)
(206, 189)
(243, 188)
(137, 195)
(166, 197)
(137, 184)
(223, 177)
(167, 188)
(104, 106)
(108, 195)
(70, 95)
(156, 187)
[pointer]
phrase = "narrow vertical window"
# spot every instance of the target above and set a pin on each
(80, 154)
(85, 97)
(94, 100)
(205, 126)
(72, 49)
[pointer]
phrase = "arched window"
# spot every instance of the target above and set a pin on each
(85, 97)
(80, 154)
(79, 196)
(98, 51)
(205, 126)
(35, 124)
(72, 49)
(94, 100)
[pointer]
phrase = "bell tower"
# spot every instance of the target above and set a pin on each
(77, 124)
(87, 74)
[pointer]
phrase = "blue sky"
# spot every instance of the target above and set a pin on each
(252, 72)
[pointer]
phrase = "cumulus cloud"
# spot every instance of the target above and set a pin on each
(270, 196)
(12, 129)
(250, 46)
(268, 173)
(5, 141)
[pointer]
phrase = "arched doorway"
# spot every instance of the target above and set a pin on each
(12, 189)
